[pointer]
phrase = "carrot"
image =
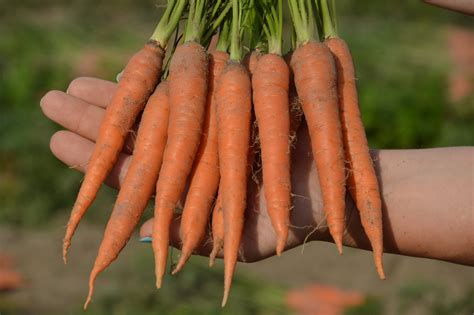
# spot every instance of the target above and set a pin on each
(138, 80)
(362, 181)
(187, 97)
(138, 184)
(205, 176)
(233, 113)
(217, 224)
(270, 83)
(315, 79)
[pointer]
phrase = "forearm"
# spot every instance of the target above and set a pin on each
(427, 204)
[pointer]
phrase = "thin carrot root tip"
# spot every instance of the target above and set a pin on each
(338, 242)
(91, 289)
(159, 281)
(280, 245)
(182, 261)
(226, 297)
(212, 260)
(213, 255)
(87, 303)
(66, 246)
(379, 267)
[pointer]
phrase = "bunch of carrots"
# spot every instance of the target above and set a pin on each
(195, 132)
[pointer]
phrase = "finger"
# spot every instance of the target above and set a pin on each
(73, 113)
(92, 90)
(78, 116)
(175, 240)
(75, 151)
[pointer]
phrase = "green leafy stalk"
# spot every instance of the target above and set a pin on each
(218, 14)
(166, 68)
(303, 20)
(332, 8)
(196, 22)
(273, 24)
(235, 46)
(169, 21)
(329, 29)
(224, 36)
(251, 28)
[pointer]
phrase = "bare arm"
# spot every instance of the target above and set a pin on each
(462, 6)
(428, 204)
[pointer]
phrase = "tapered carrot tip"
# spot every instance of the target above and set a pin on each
(338, 241)
(212, 258)
(226, 296)
(182, 261)
(159, 278)
(215, 250)
(379, 267)
(159, 281)
(89, 299)
(92, 278)
(66, 245)
(280, 245)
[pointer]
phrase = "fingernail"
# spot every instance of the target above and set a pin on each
(146, 239)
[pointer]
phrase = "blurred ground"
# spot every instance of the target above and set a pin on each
(414, 69)
(48, 288)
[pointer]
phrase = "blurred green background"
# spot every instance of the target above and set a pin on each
(401, 52)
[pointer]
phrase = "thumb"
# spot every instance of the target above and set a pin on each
(175, 239)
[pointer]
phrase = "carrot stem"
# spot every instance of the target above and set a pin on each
(196, 21)
(329, 30)
(217, 22)
(168, 23)
(235, 49)
(224, 34)
(303, 21)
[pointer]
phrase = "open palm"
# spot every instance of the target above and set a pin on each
(80, 111)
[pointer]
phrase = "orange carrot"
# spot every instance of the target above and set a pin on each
(138, 81)
(138, 184)
(315, 78)
(270, 84)
(250, 63)
(233, 97)
(362, 180)
(187, 97)
(205, 175)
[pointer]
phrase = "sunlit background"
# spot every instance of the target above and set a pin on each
(415, 76)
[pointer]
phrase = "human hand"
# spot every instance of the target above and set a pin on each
(80, 111)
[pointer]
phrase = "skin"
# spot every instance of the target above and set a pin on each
(426, 194)
(462, 6)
